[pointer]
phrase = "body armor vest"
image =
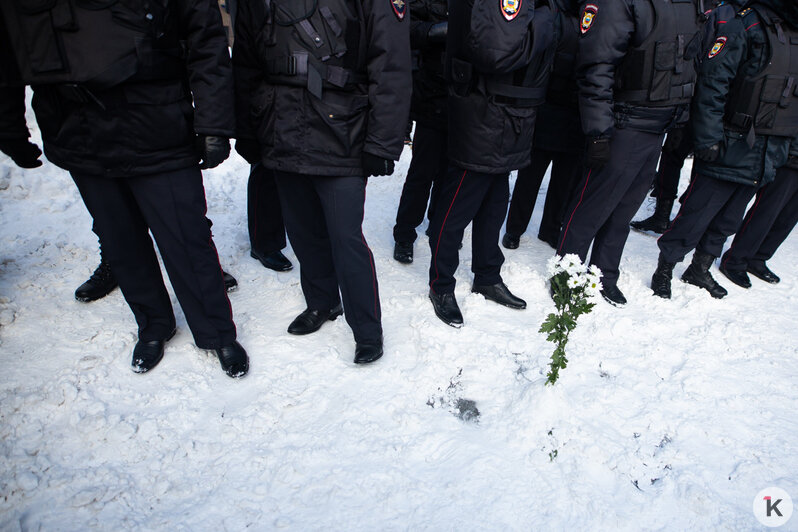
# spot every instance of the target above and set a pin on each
(314, 44)
(525, 87)
(661, 71)
(768, 101)
(94, 43)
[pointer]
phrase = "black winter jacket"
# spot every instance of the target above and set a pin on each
(607, 36)
(428, 105)
(742, 50)
(147, 124)
(492, 133)
(297, 131)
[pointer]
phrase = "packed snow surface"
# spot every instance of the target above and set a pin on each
(671, 415)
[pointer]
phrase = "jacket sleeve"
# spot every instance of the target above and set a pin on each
(210, 74)
(602, 47)
(496, 45)
(12, 113)
(714, 81)
(246, 73)
(390, 82)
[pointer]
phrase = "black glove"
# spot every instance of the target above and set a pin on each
(24, 153)
(437, 32)
(709, 154)
(249, 149)
(597, 153)
(374, 165)
(213, 150)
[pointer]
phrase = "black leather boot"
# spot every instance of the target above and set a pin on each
(697, 274)
(234, 360)
(311, 320)
(366, 352)
(100, 284)
(499, 293)
(403, 252)
(738, 277)
(657, 222)
(661, 280)
(146, 355)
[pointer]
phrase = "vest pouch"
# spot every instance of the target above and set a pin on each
(664, 65)
(462, 76)
(36, 30)
(769, 99)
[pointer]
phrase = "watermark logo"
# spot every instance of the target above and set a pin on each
(772, 507)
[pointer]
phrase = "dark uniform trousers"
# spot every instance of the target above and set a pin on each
(711, 211)
(465, 196)
(605, 201)
(427, 168)
(767, 224)
(324, 219)
(566, 169)
(172, 206)
(666, 185)
(264, 215)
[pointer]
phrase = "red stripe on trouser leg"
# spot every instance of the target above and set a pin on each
(438, 244)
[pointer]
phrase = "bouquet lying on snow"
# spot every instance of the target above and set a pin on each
(572, 286)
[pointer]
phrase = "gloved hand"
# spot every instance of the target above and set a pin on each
(24, 153)
(709, 154)
(213, 150)
(374, 165)
(437, 32)
(249, 149)
(597, 153)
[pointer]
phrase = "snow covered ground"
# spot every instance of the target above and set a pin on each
(672, 415)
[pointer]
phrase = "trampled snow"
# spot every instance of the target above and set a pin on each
(671, 415)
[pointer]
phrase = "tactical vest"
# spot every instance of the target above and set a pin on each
(315, 44)
(661, 71)
(92, 43)
(525, 87)
(768, 101)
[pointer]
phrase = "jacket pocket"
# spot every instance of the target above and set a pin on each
(157, 116)
(337, 123)
(262, 113)
(518, 130)
(735, 152)
(664, 64)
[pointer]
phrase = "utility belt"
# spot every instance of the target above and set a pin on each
(298, 70)
(465, 80)
(677, 95)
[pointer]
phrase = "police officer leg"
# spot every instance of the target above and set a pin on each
(599, 193)
(429, 147)
(704, 198)
(611, 238)
(726, 221)
(765, 218)
(264, 214)
(486, 256)
(307, 230)
(525, 194)
(779, 231)
(127, 246)
(566, 169)
(173, 204)
(343, 201)
(461, 195)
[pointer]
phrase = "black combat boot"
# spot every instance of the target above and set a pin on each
(659, 221)
(698, 274)
(100, 284)
(661, 280)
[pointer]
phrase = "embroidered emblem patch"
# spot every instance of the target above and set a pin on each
(399, 8)
(510, 8)
(588, 16)
(717, 47)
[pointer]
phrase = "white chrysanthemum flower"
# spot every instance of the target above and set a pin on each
(554, 266)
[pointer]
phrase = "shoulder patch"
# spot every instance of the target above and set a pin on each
(399, 8)
(588, 16)
(720, 42)
(510, 8)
